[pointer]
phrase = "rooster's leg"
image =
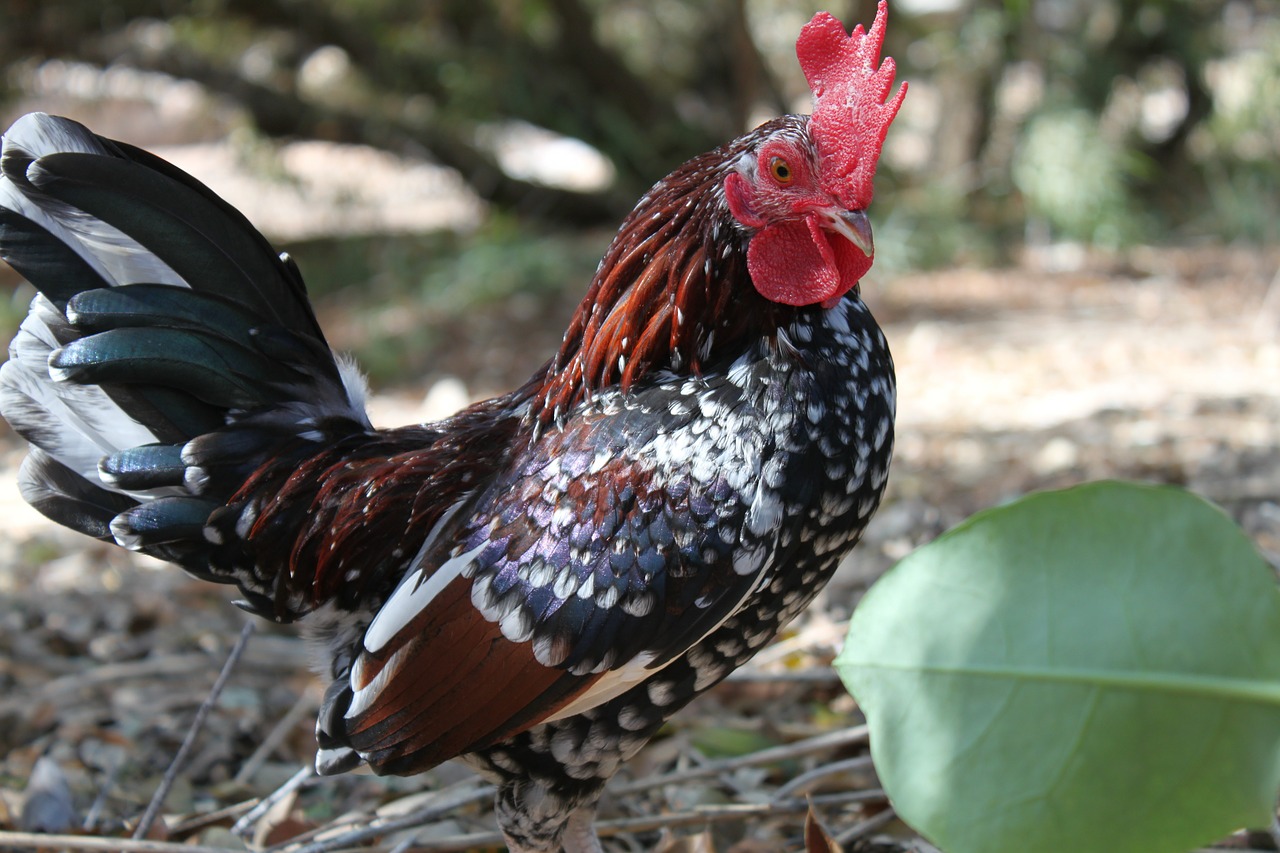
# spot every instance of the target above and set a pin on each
(537, 817)
(580, 832)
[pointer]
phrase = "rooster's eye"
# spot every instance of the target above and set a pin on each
(780, 170)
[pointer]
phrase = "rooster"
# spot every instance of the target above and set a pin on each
(538, 582)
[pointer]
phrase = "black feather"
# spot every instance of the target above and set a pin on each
(149, 467)
(42, 259)
(64, 496)
(214, 369)
(205, 245)
(161, 305)
(227, 458)
(291, 275)
(165, 520)
(171, 414)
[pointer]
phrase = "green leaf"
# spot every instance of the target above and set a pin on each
(1094, 669)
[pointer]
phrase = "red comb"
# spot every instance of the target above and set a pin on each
(850, 112)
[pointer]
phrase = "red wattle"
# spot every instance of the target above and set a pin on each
(798, 263)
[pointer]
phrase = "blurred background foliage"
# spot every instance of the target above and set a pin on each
(1031, 124)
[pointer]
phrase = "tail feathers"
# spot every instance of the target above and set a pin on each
(163, 521)
(64, 496)
(137, 218)
(76, 424)
(171, 352)
(49, 239)
(69, 498)
(143, 468)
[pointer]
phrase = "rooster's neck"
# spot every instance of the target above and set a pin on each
(671, 295)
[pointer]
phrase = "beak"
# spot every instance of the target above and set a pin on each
(854, 226)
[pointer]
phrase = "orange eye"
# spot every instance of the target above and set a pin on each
(780, 170)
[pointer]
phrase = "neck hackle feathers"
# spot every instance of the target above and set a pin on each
(852, 109)
(669, 288)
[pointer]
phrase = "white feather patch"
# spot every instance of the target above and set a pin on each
(356, 387)
(40, 133)
(363, 699)
(613, 684)
(411, 598)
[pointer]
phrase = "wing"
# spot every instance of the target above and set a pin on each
(620, 542)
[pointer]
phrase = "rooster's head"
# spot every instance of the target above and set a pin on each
(802, 193)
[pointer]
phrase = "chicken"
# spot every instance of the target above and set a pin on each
(538, 582)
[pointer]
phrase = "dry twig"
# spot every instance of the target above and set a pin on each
(179, 760)
(379, 826)
(42, 841)
(829, 740)
(820, 743)
(306, 704)
(244, 826)
(866, 827)
(798, 784)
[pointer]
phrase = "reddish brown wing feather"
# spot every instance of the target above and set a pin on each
(456, 685)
